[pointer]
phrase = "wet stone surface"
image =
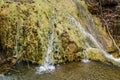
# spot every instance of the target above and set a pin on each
(71, 71)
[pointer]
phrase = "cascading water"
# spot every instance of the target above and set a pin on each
(95, 42)
(85, 60)
(48, 62)
(16, 42)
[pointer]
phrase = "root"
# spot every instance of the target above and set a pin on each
(111, 36)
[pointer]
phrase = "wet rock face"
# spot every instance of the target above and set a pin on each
(25, 28)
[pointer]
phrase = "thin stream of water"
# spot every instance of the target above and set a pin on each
(48, 62)
(86, 58)
(95, 42)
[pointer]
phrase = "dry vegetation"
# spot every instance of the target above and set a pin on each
(109, 12)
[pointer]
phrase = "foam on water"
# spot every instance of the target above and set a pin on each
(45, 69)
(85, 60)
(3, 77)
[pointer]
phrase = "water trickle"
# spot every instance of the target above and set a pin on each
(94, 41)
(85, 59)
(48, 62)
(16, 42)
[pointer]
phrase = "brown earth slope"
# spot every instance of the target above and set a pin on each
(109, 12)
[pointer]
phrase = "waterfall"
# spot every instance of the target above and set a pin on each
(95, 42)
(48, 62)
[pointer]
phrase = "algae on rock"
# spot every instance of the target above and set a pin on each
(26, 26)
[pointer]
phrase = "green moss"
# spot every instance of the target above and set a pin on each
(1, 2)
(27, 25)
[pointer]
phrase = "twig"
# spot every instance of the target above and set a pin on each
(111, 36)
(13, 70)
(101, 8)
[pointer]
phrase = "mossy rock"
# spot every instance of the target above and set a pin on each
(26, 27)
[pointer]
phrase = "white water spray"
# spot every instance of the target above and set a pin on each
(95, 42)
(85, 60)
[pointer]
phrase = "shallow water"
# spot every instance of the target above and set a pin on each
(71, 71)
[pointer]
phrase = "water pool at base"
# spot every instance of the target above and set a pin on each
(71, 71)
